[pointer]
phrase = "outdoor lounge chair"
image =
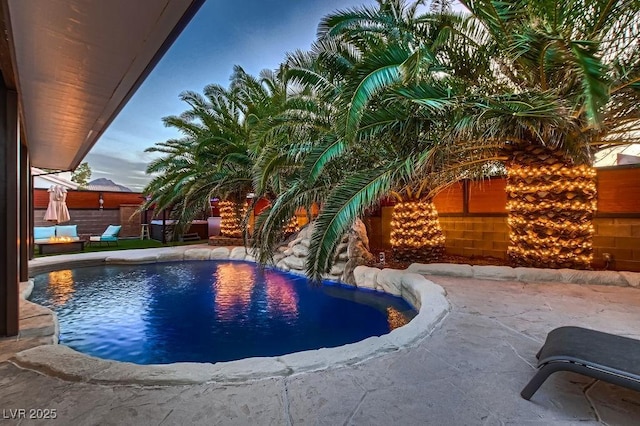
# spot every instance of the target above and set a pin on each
(110, 235)
(603, 356)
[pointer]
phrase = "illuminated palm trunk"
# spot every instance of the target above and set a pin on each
(291, 227)
(551, 204)
(416, 235)
(231, 214)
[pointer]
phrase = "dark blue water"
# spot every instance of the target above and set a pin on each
(208, 311)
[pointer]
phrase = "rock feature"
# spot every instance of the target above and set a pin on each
(352, 251)
(357, 251)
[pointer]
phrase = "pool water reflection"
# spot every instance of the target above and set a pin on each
(208, 311)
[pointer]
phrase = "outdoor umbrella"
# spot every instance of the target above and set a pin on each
(57, 210)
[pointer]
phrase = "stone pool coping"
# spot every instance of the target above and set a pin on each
(63, 362)
(536, 275)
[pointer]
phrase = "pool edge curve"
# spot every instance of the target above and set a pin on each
(60, 361)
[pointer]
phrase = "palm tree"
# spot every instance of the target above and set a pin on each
(212, 159)
(564, 80)
(390, 142)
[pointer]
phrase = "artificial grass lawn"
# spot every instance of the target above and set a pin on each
(124, 245)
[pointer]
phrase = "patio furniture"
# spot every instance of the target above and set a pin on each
(144, 232)
(110, 235)
(603, 356)
(46, 234)
(60, 247)
(57, 239)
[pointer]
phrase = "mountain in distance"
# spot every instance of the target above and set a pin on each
(105, 184)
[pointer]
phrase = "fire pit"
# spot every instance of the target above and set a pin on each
(60, 245)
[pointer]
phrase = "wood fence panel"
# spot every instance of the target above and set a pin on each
(450, 199)
(619, 190)
(488, 196)
(89, 199)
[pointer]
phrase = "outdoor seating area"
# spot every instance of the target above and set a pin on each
(57, 239)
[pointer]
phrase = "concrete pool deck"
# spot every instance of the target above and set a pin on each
(470, 370)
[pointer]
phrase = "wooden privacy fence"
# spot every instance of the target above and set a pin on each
(84, 209)
(618, 195)
(473, 217)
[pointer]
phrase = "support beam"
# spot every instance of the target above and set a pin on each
(24, 216)
(9, 212)
(31, 214)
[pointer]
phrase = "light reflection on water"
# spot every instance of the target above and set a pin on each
(208, 311)
(233, 285)
(282, 298)
(395, 318)
(61, 284)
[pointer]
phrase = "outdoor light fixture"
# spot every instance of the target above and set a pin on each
(101, 201)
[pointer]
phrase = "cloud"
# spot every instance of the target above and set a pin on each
(120, 170)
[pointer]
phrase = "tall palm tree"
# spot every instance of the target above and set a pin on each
(564, 80)
(212, 159)
(394, 46)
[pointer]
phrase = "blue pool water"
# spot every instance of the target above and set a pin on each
(208, 311)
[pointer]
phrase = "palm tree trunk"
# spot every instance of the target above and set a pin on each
(231, 214)
(551, 203)
(416, 235)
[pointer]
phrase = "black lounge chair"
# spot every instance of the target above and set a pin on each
(603, 356)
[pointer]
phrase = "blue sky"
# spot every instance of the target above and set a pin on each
(254, 34)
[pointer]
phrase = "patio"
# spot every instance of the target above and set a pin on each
(469, 371)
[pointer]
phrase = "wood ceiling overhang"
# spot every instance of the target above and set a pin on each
(76, 63)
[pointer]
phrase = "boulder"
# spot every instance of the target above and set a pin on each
(361, 230)
(357, 250)
(390, 281)
(170, 256)
(338, 269)
(342, 248)
(294, 262)
(294, 242)
(365, 276)
(197, 254)
(538, 275)
(219, 253)
(238, 253)
(300, 250)
(305, 242)
(633, 278)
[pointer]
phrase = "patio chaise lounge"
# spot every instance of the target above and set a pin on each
(110, 235)
(603, 356)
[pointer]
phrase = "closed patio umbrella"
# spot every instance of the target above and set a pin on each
(57, 210)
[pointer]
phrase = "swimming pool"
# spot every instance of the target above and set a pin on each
(208, 311)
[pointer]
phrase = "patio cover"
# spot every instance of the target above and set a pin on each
(76, 63)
